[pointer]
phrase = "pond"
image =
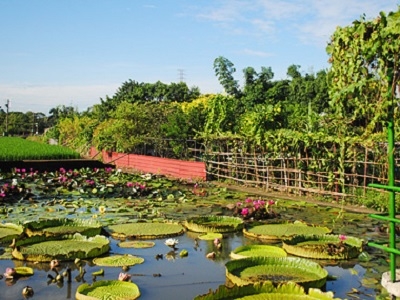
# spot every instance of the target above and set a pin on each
(164, 273)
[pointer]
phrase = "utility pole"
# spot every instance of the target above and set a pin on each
(7, 107)
(181, 75)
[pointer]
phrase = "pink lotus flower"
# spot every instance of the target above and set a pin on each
(342, 237)
(245, 211)
(129, 184)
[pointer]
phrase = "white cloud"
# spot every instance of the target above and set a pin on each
(310, 21)
(49, 96)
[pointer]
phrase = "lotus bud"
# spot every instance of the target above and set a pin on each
(27, 291)
(124, 276)
(211, 255)
(54, 263)
(59, 278)
(125, 268)
(183, 253)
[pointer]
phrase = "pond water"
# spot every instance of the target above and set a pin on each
(175, 277)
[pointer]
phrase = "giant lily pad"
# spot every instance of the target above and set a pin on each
(108, 289)
(257, 250)
(278, 270)
(9, 231)
(57, 227)
(326, 246)
(67, 248)
(145, 230)
(118, 260)
(266, 290)
(136, 244)
(210, 236)
(277, 232)
(221, 224)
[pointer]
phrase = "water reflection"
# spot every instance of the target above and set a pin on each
(167, 275)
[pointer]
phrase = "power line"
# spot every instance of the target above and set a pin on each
(181, 73)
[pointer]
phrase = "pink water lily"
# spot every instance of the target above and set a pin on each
(10, 272)
(245, 211)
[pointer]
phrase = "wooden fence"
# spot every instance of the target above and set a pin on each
(298, 175)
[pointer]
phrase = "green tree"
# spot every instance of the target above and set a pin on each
(365, 72)
(224, 70)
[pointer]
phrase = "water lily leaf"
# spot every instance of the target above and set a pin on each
(145, 230)
(108, 289)
(210, 236)
(257, 250)
(118, 260)
(24, 271)
(136, 244)
(9, 231)
(211, 223)
(266, 290)
(58, 227)
(280, 231)
(328, 246)
(68, 248)
(278, 270)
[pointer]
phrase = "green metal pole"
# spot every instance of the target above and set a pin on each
(392, 197)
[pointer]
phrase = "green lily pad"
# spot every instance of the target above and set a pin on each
(221, 224)
(209, 236)
(326, 246)
(57, 227)
(145, 230)
(24, 271)
(278, 270)
(108, 290)
(266, 290)
(68, 248)
(9, 231)
(257, 250)
(136, 244)
(281, 231)
(118, 260)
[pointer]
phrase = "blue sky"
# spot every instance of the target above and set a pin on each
(74, 52)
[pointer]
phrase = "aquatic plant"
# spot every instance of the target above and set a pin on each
(112, 289)
(255, 209)
(328, 246)
(278, 270)
(283, 230)
(257, 250)
(211, 223)
(266, 290)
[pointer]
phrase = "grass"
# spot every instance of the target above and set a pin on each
(15, 148)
